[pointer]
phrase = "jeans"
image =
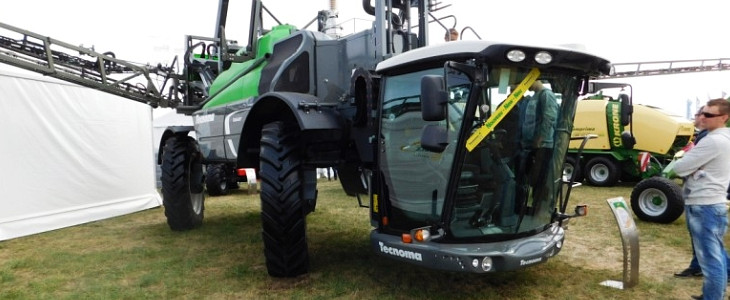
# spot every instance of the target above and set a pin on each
(707, 226)
(695, 265)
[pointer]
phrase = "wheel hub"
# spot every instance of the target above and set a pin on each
(599, 172)
(568, 170)
(653, 202)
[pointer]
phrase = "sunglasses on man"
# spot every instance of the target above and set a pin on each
(708, 115)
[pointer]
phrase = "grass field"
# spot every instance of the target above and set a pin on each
(137, 257)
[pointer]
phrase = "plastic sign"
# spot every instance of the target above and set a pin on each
(481, 133)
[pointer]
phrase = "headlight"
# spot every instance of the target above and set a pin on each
(486, 264)
(516, 55)
(423, 235)
(543, 57)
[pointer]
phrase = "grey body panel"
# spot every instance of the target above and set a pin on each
(331, 64)
(506, 255)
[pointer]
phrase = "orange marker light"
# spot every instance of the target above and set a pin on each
(406, 238)
(422, 235)
(385, 221)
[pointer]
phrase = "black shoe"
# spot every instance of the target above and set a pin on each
(696, 297)
(689, 273)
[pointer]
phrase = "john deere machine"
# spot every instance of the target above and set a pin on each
(632, 142)
(420, 135)
(659, 198)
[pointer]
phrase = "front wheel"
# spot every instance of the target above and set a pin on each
(283, 212)
(658, 200)
(182, 183)
(602, 171)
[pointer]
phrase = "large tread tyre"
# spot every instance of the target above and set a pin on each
(602, 171)
(182, 183)
(283, 213)
(572, 168)
(658, 200)
(216, 180)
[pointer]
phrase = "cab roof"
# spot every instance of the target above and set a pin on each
(494, 52)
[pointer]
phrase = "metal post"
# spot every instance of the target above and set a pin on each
(629, 240)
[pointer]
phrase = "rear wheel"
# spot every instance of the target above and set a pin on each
(572, 168)
(182, 183)
(602, 171)
(657, 199)
(283, 212)
(216, 180)
(232, 180)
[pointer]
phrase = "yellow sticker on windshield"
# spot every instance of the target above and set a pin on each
(481, 133)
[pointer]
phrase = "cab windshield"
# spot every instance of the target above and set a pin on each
(507, 181)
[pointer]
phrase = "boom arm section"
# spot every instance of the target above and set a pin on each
(651, 68)
(87, 67)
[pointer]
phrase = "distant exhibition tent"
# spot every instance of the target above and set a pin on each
(70, 155)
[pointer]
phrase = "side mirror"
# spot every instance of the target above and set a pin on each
(433, 98)
(434, 138)
(626, 109)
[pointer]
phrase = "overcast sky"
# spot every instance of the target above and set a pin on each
(152, 31)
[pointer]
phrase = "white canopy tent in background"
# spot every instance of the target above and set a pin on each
(70, 155)
(167, 117)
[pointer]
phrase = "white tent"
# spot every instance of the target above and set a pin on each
(168, 117)
(70, 155)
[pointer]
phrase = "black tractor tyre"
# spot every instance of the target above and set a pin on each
(572, 168)
(182, 183)
(283, 213)
(216, 180)
(602, 171)
(658, 200)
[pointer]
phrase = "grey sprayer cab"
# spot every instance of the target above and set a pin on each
(458, 184)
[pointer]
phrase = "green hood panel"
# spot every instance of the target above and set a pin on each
(247, 85)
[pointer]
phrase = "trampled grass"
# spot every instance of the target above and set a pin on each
(137, 257)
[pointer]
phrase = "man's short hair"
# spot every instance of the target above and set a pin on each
(451, 35)
(723, 106)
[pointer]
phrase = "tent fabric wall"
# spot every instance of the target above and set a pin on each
(70, 155)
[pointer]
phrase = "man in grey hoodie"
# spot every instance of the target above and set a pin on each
(706, 169)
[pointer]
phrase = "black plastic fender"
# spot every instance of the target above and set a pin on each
(171, 131)
(310, 113)
(304, 110)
